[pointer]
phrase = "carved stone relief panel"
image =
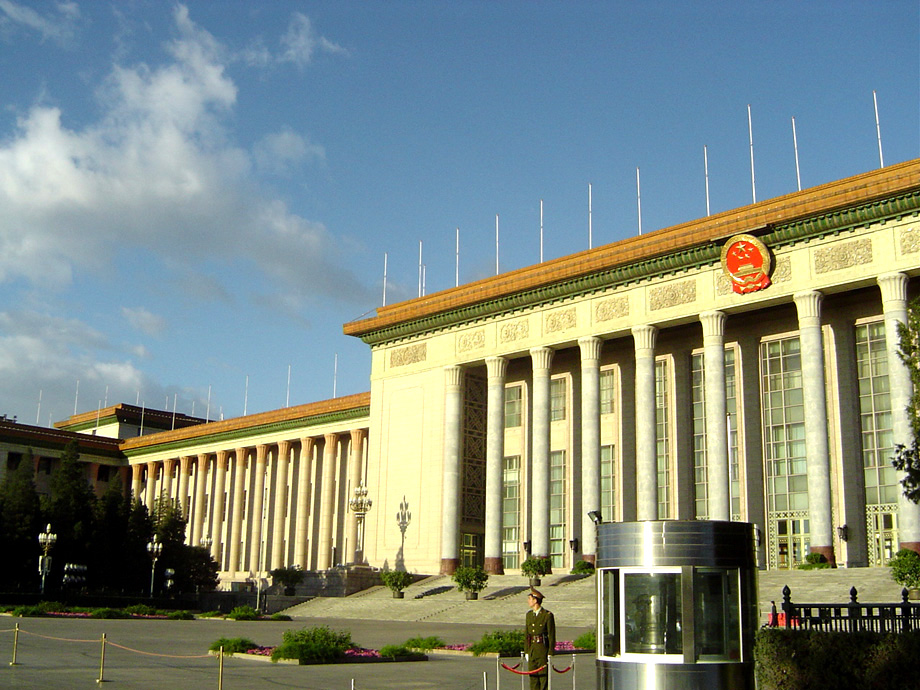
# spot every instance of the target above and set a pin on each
(782, 272)
(515, 330)
(672, 295)
(910, 240)
(844, 255)
(411, 354)
(475, 340)
(612, 308)
(561, 320)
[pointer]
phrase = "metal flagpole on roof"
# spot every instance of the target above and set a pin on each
(751, 139)
(496, 244)
(878, 131)
(76, 396)
(639, 199)
(246, 396)
(590, 228)
(795, 146)
(457, 261)
(207, 414)
(541, 231)
(706, 174)
(419, 268)
(384, 279)
(39, 413)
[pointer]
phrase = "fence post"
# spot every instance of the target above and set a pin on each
(907, 620)
(787, 606)
(220, 668)
(523, 668)
(16, 637)
(573, 672)
(855, 611)
(101, 661)
(498, 673)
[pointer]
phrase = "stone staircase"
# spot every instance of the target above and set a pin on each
(574, 601)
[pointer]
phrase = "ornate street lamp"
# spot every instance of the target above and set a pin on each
(46, 539)
(154, 548)
(360, 504)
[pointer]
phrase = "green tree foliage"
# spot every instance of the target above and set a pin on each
(907, 457)
(195, 569)
(119, 559)
(70, 510)
(20, 523)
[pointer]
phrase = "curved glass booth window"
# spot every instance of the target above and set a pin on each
(677, 605)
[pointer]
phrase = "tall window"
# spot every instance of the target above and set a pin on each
(513, 396)
(511, 511)
(607, 391)
(557, 395)
(784, 450)
(731, 407)
(608, 484)
(663, 437)
(557, 510)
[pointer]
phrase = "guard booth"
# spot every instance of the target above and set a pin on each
(677, 605)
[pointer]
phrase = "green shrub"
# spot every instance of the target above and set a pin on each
(312, 644)
(140, 610)
(243, 613)
(106, 613)
(391, 651)
(35, 611)
(583, 568)
(471, 578)
(288, 577)
(397, 580)
(425, 643)
(180, 616)
(905, 568)
(586, 641)
(52, 607)
(536, 566)
(210, 614)
(504, 642)
(814, 561)
(233, 645)
(280, 617)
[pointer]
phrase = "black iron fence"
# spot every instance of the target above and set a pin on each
(850, 617)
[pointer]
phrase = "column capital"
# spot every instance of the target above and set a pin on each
(808, 304)
(645, 337)
(203, 458)
(222, 456)
(590, 347)
(894, 291)
(358, 435)
(307, 443)
(542, 358)
(496, 367)
(137, 472)
(284, 448)
(169, 465)
(453, 375)
(242, 454)
(261, 453)
(185, 464)
(331, 438)
(713, 326)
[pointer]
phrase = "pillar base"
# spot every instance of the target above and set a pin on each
(590, 558)
(912, 545)
(449, 565)
(827, 552)
(494, 566)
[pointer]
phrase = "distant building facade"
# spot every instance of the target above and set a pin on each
(741, 367)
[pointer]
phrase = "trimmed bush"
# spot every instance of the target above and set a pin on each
(140, 610)
(312, 644)
(586, 641)
(504, 642)
(180, 616)
(424, 643)
(243, 613)
(280, 617)
(397, 580)
(210, 614)
(905, 568)
(583, 568)
(471, 578)
(29, 611)
(391, 651)
(105, 613)
(536, 567)
(233, 645)
(814, 561)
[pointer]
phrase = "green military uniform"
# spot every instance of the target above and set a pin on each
(539, 644)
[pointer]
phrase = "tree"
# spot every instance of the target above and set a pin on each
(119, 560)
(907, 457)
(195, 569)
(70, 510)
(20, 523)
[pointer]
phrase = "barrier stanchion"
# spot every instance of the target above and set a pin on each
(220, 668)
(100, 679)
(485, 683)
(15, 644)
(523, 657)
(498, 673)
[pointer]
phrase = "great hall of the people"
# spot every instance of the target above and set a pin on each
(742, 366)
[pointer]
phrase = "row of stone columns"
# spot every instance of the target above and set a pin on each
(267, 470)
(808, 306)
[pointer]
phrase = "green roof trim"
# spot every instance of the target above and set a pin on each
(686, 259)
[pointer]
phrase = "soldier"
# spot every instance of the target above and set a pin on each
(539, 639)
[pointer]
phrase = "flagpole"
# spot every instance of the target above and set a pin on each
(384, 279)
(541, 231)
(795, 145)
(751, 139)
(639, 200)
(457, 262)
(706, 175)
(590, 228)
(878, 131)
(419, 268)
(496, 244)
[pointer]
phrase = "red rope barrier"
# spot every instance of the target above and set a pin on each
(565, 670)
(523, 673)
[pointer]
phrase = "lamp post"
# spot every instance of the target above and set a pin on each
(154, 548)
(46, 539)
(360, 504)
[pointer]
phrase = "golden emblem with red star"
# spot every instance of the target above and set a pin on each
(746, 262)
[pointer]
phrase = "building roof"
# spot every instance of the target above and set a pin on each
(897, 186)
(128, 414)
(39, 437)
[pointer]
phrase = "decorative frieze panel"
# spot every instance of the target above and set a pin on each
(612, 308)
(561, 320)
(782, 273)
(844, 255)
(672, 295)
(471, 341)
(515, 330)
(411, 354)
(910, 240)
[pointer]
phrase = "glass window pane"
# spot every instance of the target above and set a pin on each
(653, 613)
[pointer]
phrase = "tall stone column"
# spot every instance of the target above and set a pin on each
(718, 473)
(495, 453)
(137, 479)
(450, 499)
(169, 466)
(185, 470)
(817, 456)
(151, 488)
(894, 305)
(278, 545)
(542, 358)
(258, 510)
(198, 512)
(237, 501)
(217, 519)
(590, 348)
(646, 443)
(304, 473)
(327, 503)
(355, 475)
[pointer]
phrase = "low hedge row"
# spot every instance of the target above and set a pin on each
(795, 660)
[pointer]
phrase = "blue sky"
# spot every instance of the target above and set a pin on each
(193, 194)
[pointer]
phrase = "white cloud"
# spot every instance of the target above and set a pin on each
(140, 319)
(159, 172)
(300, 42)
(59, 27)
(280, 152)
